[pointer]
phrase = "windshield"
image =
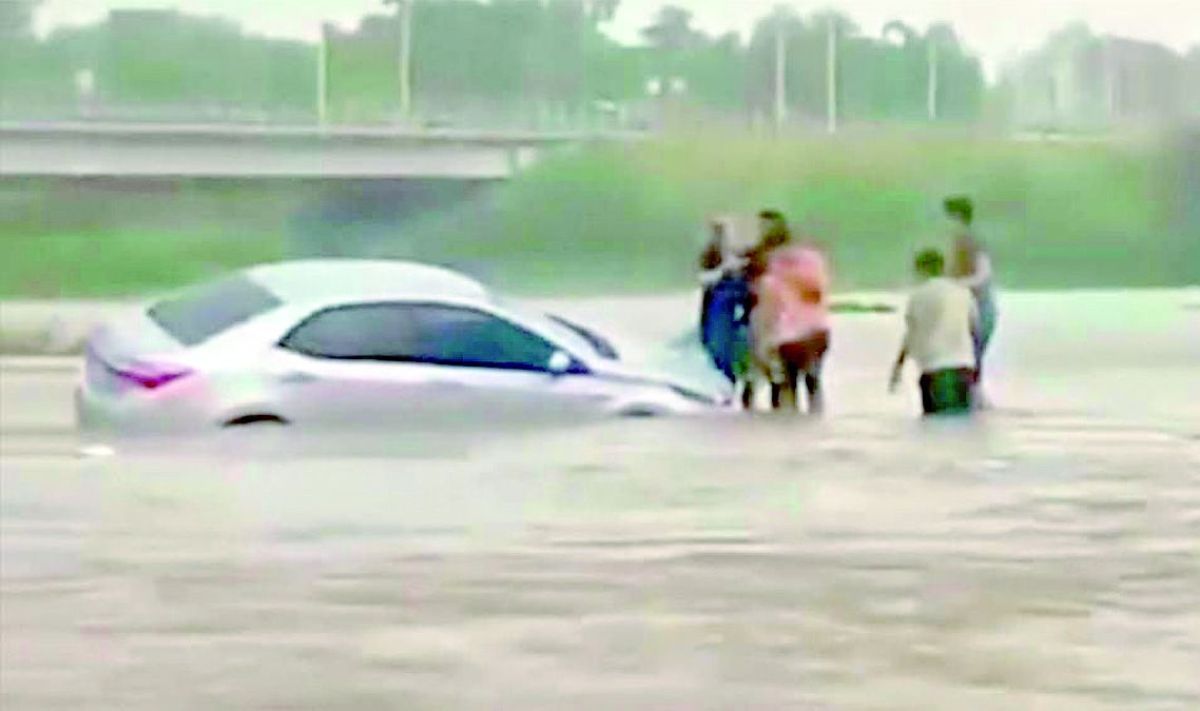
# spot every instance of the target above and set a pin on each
(598, 343)
(566, 333)
(199, 314)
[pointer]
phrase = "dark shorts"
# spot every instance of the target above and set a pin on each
(801, 362)
(805, 356)
(945, 392)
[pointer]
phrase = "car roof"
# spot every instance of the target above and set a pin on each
(328, 280)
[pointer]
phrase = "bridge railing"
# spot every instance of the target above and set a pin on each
(600, 118)
(390, 133)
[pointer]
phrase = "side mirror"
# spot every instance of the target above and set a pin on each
(559, 364)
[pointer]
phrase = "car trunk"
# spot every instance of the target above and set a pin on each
(131, 341)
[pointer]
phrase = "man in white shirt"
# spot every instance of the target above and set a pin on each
(940, 319)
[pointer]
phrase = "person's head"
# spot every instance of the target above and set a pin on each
(773, 229)
(960, 208)
(929, 264)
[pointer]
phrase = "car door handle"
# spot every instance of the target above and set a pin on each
(297, 378)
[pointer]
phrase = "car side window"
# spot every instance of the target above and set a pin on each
(383, 332)
(451, 335)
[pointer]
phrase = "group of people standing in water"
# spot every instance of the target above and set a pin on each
(765, 316)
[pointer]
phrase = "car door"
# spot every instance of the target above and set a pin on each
(495, 370)
(353, 365)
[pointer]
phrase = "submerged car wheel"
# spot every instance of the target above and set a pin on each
(256, 421)
(640, 412)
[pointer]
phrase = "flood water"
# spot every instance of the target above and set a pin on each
(1043, 555)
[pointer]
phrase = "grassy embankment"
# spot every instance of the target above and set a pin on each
(629, 218)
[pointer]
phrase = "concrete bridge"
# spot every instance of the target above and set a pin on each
(241, 151)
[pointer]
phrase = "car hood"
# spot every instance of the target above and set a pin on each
(680, 364)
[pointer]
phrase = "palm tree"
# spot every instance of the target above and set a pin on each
(897, 30)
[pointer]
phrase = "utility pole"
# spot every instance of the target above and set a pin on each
(404, 13)
(780, 73)
(933, 79)
(323, 76)
(1112, 82)
(831, 76)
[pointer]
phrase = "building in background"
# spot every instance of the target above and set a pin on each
(1078, 81)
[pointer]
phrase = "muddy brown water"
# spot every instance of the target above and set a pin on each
(1044, 555)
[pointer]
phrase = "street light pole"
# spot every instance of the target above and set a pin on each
(323, 75)
(780, 74)
(933, 80)
(1112, 85)
(831, 76)
(404, 12)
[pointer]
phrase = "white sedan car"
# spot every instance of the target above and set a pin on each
(359, 343)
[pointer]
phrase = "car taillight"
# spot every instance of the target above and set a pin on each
(150, 377)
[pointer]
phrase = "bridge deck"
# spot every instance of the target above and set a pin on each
(98, 149)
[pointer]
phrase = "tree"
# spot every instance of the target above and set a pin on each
(806, 48)
(487, 60)
(16, 18)
(1191, 82)
(842, 23)
(602, 11)
(22, 68)
(1044, 95)
(901, 32)
(901, 74)
(943, 35)
(672, 30)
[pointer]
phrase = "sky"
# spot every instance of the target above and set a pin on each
(997, 29)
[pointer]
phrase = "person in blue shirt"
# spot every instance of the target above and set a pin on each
(725, 311)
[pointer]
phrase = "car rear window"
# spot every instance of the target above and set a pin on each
(197, 315)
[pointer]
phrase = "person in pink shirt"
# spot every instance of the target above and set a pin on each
(791, 323)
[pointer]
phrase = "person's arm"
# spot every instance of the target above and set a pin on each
(982, 273)
(902, 357)
(972, 267)
(898, 369)
(976, 322)
(710, 264)
(756, 263)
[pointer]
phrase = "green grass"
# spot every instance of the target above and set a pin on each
(128, 262)
(630, 218)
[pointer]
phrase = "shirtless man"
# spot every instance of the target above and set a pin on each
(971, 266)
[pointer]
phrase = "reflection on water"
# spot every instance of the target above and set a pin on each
(1036, 557)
